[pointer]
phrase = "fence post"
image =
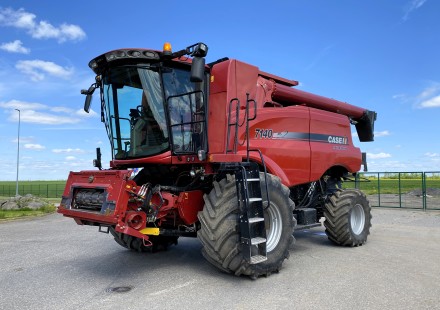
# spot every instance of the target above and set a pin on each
(424, 190)
(400, 193)
(378, 187)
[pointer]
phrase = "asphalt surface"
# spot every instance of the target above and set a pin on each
(52, 263)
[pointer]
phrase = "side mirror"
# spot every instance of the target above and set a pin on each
(89, 95)
(87, 103)
(197, 69)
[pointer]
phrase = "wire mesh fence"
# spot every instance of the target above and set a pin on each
(409, 190)
(39, 188)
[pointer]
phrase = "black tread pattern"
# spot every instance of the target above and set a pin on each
(337, 217)
(137, 244)
(219, 233)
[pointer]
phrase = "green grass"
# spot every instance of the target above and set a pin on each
(391, 186)
(25, 212)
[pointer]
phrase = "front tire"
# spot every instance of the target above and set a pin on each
(159, 243)
(220, 234)
(347, 217)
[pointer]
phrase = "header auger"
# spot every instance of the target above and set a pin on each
(224, 152)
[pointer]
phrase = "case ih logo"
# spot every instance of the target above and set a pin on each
(337, 140)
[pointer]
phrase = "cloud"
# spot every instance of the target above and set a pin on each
(323, 53)
(384, 133)
(377, 134)
(378, 155)
(30, 116)
(37, 69)
(427, 98)
(61, 109)
(83, 113)
(30, 113)
(411, 6)
(22, 105)
(15, 47)
(40, 29)
(36, 147)
(24, 139)
(430, 103)
(69, 150)
(429, 154)
(70, 158)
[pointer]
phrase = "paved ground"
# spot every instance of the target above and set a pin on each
(52, 263)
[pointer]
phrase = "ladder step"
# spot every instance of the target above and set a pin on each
(255, 199)
(253, 180)
(256, 219)
(258, 259)
(257, 240)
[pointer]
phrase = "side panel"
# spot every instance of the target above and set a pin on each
(229, 80)
(331, 143)
(282, 134)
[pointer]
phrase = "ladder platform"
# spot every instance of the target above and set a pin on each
(257, 240)
(255, 199)
(256, 219)
(253, 180)
(257, 259)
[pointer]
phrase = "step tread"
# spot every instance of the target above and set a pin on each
(258, 259)
(257, 240)
(256, 219)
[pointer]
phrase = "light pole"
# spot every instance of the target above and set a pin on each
(18, 153)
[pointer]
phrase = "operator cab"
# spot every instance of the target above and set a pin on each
(152, 102)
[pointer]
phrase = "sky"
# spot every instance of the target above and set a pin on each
(380, 55)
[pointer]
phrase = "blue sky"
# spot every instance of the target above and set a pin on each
(381, 55)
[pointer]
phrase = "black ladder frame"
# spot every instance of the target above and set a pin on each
(251, 221)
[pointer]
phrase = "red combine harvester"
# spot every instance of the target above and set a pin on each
(224, 152)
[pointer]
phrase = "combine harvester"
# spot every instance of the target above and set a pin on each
(225, 152)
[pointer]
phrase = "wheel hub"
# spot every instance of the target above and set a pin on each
(274, 226)
(357, 219)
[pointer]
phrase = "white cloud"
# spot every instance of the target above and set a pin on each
(35, 117)
(69, 150)
(37, 69)
(430, 103)
(24, 139)
(61, 109)
(428, 97)
(412, 6)
(22, 105)
(40, 29)
(400, 96)
(377, 134)
(31, 146)
(15, 47)
(381, 133)
(429, 154)
(70, 158)
(28, 113)
(378, 155)
(83, 113)
(429, 91)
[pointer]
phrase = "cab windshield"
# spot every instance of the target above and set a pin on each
(152, 109)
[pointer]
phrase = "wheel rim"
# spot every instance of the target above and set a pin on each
(357, 219)
(274, 226)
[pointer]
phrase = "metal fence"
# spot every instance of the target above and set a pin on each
(41, 190)
(409, 190)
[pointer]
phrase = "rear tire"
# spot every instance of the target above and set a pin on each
(219, 232)
(348, 217)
